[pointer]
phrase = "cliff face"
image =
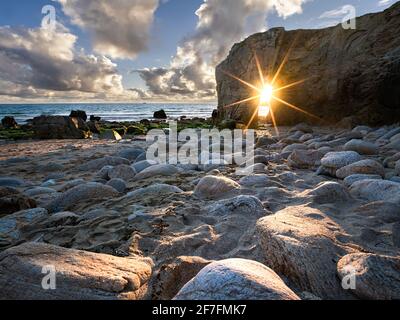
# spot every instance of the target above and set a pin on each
(348, 72)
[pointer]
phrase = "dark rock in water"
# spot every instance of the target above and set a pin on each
(348, 72)
(160, 115)
(94, 118)
(79, 114)
(9, 123)
(58, 127)
(93, 126)
(12, 200)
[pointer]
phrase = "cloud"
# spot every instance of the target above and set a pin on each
(336, 13)
(44, 63)
(221, 23)
(382, 3)
(119, 28)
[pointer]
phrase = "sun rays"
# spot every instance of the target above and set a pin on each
(267, 92)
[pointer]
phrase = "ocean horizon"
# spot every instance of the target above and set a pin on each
(107, 111)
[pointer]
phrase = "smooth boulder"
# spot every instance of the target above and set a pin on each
(79, 275)
(236, 279)
(377, 277)
(211, 187)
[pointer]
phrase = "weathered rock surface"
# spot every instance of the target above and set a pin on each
(361, 147)
(211, 187)
(333, 60)
(361, 167)
(338, 160)
(305, 159)
(350, 180)
(157, 170)
(123, 172)
(236, 279)
(376, 190)
(300, 243)
(12, 200)
(377, 277)
(174, 276)
(58, 127)
(80, 275)
(82, 193)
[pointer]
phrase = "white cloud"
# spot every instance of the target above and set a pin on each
(221, 23)
(119, 28)
(43, 63)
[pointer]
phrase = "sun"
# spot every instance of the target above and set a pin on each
(266, 93)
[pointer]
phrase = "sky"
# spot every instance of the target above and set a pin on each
(138, 50)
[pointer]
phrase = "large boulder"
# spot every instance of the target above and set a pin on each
(300, 243)
(333, 61)
(58, 127)
(79, 275)
(79, 114)
(376, 277)
(9, 123)
(161, 115)
(236, 279)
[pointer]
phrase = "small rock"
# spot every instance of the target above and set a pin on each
(110, 135)
(350, 180)
(38, 191)
(376, 190)
(131, 154)
(361, 167)
(293, 147)
(161, 114)
(337, 160)
(98, 164)
(361, 147)
(123, 171)
(12, 200)
(142, 165)
(174, 276)
(377, 277)
(329, 192)
(236, 279)
(211, 187)
(257, 180)
(305, 159)
(10, 225)
(241, 205)
(82, 193)
(157, 170)
(117, 184)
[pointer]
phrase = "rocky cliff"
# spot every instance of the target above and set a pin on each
(349, 73)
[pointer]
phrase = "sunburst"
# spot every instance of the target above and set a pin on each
(267, 92)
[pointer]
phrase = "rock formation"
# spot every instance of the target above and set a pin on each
(348, 73)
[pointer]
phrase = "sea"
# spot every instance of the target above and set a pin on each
(107, 111)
